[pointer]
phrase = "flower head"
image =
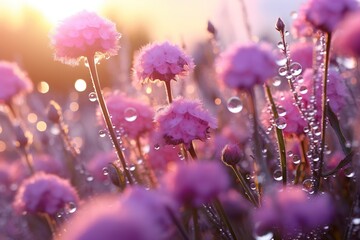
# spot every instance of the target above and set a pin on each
(244, 66)
(135, 117)
(347, 35)
(183, 121)
(44, 193)
(13, 81)
(138, 215)
(195, 183)
(161, 61)
(84, 35)
(290, 210)
(302, 53)
(97, 164)
(325, 15)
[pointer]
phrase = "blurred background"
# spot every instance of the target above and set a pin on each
(25, 26)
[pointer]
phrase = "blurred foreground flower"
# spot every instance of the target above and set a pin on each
(13, 81)
(82, 35)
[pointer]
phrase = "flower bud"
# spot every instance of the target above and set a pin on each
(54, 112)
(232, 154)
(23, 138)
(280, 26)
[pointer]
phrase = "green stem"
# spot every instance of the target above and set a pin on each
(195, 215)
(300, 171)
(146, 165)
(323, 113)
(168, 91)
(279, 136)
(106, 115)
(246, 188)
(225, 218)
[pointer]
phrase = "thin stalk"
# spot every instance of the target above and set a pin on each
(225, 218)
(192, 151)
(106, 115)
(177, 224)
(195, 215)
(323, 112)
(28, 160)
(279, 136)
(300, 171)
(51, 223)
(147, 166)
(246, 19)
(168, 91)
(246, 188)
(257, 142)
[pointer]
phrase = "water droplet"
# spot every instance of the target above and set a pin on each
(252, 186)
(287, 33)
(290, 153)
(296, 159)
(295, 69)
(105, 171)
(356, 221)
(156, 146)
(308, 185)
(281, 61)
(349, 63)
(130, 114)
(89, 178)
(276, 81)
(86, 62)
(280, 123)
(280, 45)
(281, 111)
(132, 167)
(267, 236)
(102, 133)
(349, 172)
(71, 207)
(294, 15)
(277, 175)
(283, 71)
(303, 90)
(59, 214)
(234, 105)
(92, 97)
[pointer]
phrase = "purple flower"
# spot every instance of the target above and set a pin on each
(46, 163)
(13, 81)
(134, 116)
(325, 15)
(183, 121)
(290, 211)
(161, 61)
(84, 35)
(138, 215)
(302, 53)
(244, 66)
(347, 35)
(235, 205)
(195, 183)
(44, 193)
(300, 26)
(97, 164)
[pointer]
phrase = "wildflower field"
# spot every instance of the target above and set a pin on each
(248, 138)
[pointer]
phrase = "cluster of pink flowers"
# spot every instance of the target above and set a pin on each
(244, 66)
(44, 193)
(84, 35)
(13, 81)
(161, 61)
(184, 121)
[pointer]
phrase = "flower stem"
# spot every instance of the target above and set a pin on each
(177, 223)
(168, 91)
(28, 160)
(106, 115)
(246, 19)
(300, 171)
(279, 136)
(246, 188)
(192, 151)
(225, 218)
(323, 112)
(195, 215)
(147, 167)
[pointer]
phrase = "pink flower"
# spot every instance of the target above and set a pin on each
(300, 26)
(302, 53)
(134, 116)
(44, 193)
(347, 35)
(195, 183)
(100, 161)
(290, 211)
(13, 81)
(161, 61)
(183, 121)
(84, 35)
(138, 215)
(244, 66)
(47, 164)
(325, 15)
(289, 113)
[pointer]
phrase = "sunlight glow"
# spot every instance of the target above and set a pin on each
(56, 10)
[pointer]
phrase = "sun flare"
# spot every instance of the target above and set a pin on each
(55, 10)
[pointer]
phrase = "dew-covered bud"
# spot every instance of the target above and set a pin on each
(54, 112)
(280, 26)
(211, 28)
(232, 154)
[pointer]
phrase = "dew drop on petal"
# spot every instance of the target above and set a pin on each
(234, 105)
(280, 123)
(130, 114)
(156, 146)
(92, 97)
